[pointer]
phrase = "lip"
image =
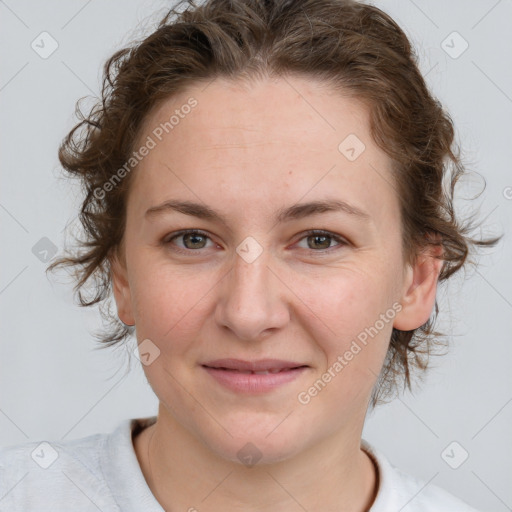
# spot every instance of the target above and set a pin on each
(235, 375)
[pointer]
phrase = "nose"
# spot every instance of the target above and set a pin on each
(252, 300)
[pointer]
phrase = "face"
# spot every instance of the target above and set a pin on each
(253, 283)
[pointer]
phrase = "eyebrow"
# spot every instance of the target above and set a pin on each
(294, 212)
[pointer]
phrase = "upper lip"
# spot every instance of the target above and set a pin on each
(254, 366)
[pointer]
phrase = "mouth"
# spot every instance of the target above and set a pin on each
(260, 367)
(261, 372)
(254, 376)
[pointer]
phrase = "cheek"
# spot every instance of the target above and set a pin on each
(349, 300)
(170, 304)
(354, 325)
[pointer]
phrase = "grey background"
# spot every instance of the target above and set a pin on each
(55, 385)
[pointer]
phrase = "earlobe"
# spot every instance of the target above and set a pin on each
(420, 287)
(121, 289)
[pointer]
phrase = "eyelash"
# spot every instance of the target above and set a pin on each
(312, 232)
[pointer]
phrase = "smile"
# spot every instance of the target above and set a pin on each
(253, 377)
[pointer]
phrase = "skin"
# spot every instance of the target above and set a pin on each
(247, 151)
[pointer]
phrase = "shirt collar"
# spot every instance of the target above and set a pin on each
(122, 470)
(131, 491)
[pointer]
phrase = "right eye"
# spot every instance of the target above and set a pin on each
(192, 240)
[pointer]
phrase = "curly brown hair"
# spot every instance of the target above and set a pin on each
(348, 45)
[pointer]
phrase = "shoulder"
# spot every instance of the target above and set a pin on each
(54, 474)
(407, 493)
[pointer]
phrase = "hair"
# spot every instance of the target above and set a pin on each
(356, 49)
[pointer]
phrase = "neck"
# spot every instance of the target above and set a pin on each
(184, 474)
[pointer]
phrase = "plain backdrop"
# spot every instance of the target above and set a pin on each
(54, 384)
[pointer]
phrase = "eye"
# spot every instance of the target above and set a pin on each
(192, 239)
(320, 241)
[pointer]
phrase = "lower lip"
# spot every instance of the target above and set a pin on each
(252, 382)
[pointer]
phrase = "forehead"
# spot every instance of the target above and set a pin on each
(272, 141)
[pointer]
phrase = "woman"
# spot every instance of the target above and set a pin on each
(265, 200)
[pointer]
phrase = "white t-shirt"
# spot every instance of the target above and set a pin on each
(101, 472)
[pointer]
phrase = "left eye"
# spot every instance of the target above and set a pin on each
(320, 240)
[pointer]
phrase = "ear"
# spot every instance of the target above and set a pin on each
(420, 287)
(121, 288)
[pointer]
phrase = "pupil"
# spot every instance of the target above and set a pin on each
(194, 238)
(322, 240)
(320, 237)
